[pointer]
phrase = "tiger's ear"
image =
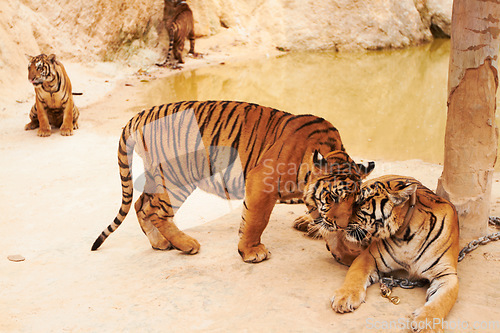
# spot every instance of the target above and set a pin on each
(52, 58)
(401, 196)
(365, 170)
(319, 161)
(30, 58)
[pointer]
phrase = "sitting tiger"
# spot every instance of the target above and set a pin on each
(179, 23)
(235, 150)
(410, 228)
(54, 101)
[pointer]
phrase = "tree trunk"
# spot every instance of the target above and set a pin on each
(471, 133)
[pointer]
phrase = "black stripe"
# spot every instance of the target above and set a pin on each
(433, 219)
(437, 260)
(390, 251)
(382, 258)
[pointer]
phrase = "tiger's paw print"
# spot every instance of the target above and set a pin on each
(254, 254)
(348, 299)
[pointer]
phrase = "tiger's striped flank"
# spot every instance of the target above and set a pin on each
(234, 150)
(410, 228)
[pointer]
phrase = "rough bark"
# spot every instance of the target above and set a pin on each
(471, 134)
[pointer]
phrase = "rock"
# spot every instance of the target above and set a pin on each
(132, 30)
(437, 15)
(16, 257)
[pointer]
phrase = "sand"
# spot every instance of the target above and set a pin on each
(58, 193)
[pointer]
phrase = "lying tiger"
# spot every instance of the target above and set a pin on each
(410, 228)
(54, 101)
(179, 23)
(235, 150)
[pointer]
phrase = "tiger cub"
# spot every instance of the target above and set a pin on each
(410, 228)
(54, 101)
(179, 23)
(235, 150)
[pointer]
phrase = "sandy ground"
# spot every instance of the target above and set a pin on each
(58, 193)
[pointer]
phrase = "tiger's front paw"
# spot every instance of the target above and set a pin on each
(348, 299)
(186, 244)
(306, 223)
(162, 245)
(44, 132)
(196, 55)
(303, 223)
(424, 322)
(254, 254)
(66, 131)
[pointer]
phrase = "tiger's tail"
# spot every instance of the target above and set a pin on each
(125, 153)
(171, 38)
(171, 32)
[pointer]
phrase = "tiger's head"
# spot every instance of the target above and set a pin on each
(334, 189)
(40, 68)
(379, 212)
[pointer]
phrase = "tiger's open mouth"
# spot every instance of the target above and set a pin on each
(36, 82)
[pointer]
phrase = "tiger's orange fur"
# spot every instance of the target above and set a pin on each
(281, 157)
(179, 23)
(426, 245)
(54, 104)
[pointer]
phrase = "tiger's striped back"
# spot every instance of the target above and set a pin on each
(176, 142)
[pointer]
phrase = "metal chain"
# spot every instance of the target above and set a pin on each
(495, 221)
(387, 283)
(476, 242)
(392, 282)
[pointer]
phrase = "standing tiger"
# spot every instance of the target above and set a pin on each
(54, 101)
(179, 23)
(235, 150)
(410, 228)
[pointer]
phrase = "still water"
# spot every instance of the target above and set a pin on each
(386, 104)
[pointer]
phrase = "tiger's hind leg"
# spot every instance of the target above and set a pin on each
(159, 211)
(191, 47)
(158, 242)
(178, 48)
(34, 123)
